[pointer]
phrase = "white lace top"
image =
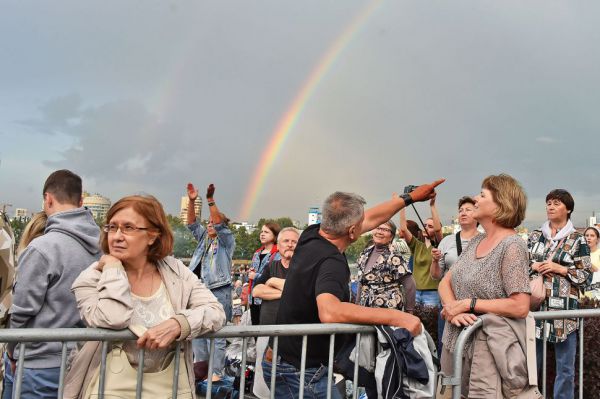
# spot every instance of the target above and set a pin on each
(148, 312)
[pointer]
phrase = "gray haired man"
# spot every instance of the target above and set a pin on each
(317, 290)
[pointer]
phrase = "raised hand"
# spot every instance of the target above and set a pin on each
(210, 191)
(192, 192)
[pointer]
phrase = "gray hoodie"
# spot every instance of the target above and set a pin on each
(42, 296)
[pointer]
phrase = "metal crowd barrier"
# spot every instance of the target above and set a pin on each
(65, 335)
(580, 314)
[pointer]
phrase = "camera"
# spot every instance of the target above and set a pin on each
(409, 189)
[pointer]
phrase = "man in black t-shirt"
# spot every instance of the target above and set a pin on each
(270, 283)
(317, 288)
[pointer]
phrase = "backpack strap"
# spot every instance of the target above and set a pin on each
(458, 244)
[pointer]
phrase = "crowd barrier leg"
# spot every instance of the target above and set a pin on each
(63, 366)
(330, 365)
(302, 367)
(176, 370)
(243, 372)
(211, 354)
(581, 358)
(102, 379)
(19, 374)
(355, 379)
(274, 366)
(544, 357)
(140, 373)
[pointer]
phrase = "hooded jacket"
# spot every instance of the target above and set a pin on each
(42, 296)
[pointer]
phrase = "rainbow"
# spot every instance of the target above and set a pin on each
(293, 113)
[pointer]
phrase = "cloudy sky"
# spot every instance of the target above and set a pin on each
(144, 96)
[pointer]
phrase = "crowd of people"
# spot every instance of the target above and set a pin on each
(71, 273)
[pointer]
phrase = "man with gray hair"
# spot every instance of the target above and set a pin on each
(317, 288)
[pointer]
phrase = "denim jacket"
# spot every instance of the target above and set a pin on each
(259, 267)
(216, 265)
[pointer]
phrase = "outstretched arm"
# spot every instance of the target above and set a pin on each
(383, 212)
(215, 214)
(404, 227)
(192, 195)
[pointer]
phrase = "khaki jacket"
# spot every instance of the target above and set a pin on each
(104, 301)
(502, 362)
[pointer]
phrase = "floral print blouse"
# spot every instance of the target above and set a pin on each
(381, 281)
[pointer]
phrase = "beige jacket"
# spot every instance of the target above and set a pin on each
(104, 301)
(502, 362)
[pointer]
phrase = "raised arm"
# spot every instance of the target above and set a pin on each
(192, 195)
(215, 215)
(383, 212)
(406, 234)
(437, 224)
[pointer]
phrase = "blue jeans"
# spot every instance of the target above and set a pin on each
(7, 383)
(428, 298)
(37, 383)
(287, 381)
(201, 346)
(564, 383)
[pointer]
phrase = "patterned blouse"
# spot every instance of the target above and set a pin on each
(499, 274)
(380, 281)
(561, 292)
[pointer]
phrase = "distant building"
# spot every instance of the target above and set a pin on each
(21, 213)
(98, 204)
(592, 220)
(248, 226)
(184, 208)
(314, 216)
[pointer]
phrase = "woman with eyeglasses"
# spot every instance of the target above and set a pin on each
(136, 284)
(383, 274)
(561, 255)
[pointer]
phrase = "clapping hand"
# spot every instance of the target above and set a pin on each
(192, 192)
(210, 191)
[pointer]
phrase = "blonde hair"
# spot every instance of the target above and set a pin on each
(510, 197)
(34, 229)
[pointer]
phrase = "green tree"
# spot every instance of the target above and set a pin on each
(184, 241)
(18, 225)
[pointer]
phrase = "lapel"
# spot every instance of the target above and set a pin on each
(178, 293)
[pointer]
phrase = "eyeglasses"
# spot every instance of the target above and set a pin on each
(383, 229)
(127, 229)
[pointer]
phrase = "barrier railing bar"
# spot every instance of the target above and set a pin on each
(355, 379)
(302, 367)
(243, 371)
(99, 334)
(330, 365)
(63, 366)
(102, 378)
(140, 373)
(211, 355)
(20, 367)
(274, 366)
(176, 359)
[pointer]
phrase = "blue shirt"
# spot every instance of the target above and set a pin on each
(215, 254)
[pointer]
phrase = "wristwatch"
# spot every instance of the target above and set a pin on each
(407, 199)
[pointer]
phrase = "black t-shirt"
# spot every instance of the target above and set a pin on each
(317, 267)
(268, 309)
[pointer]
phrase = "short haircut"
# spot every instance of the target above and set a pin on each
(466, 200)
(393, 227)
(510, 197)
(563, 196)
(274, 227)
(341, 211)
(286, 229)
(65, 186)
(150, 209)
